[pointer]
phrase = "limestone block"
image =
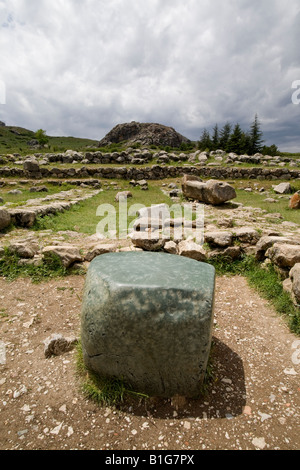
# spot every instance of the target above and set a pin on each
(192, 250)
(147, 318)
(284, 256)
(68, 254)
(5, 219)
(295, 278)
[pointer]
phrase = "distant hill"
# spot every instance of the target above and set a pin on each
(15, 139)
(144, 134)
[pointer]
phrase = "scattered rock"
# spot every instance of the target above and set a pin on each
(31, 166)
(283, 188)
(171, 247)
(68, 254)
(219, 238)
(143, 184)
(212, 192)
(267, 242)
(247, 235)
(148, 241)
(295, 278)
(15, 192)
(57, 345)
(5, 219)
(159, 211)
(259, 442)
(284, 256)
(100, 249)
(145, 223)
(39, 189)
(270, 200)
(232, 252)
(295, 201)
(123, 195)
(192, 250)
(23, 217)
(26, 248)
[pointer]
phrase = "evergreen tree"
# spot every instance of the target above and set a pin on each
(235, 140)
(215, 138)
(205, 141)
(255, 137)
(245, 146)
(225, 136)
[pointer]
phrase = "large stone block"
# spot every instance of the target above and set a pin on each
(147, 318)
(211, 192)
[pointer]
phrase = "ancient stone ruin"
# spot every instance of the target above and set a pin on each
(147, 319)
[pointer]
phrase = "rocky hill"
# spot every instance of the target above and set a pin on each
(145, 134)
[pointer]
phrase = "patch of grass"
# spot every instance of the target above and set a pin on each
(266, 281)
(102, 390)
(257, 199)
(11, 268)
(21, 199)
(83, 217)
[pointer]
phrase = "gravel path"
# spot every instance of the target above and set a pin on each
(252, 403)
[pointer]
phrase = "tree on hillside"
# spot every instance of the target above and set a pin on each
(41, 137)
(256, 139)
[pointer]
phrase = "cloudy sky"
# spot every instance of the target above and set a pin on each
(79, 67)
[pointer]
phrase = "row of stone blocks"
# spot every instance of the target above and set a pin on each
(147, 319)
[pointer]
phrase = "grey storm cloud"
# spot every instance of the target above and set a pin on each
(79, 67)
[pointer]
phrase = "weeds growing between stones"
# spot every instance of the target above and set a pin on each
(266, 281)
(11, 268)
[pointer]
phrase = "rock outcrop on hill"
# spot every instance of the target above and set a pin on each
(144, 133)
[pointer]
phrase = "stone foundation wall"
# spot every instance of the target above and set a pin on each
(155, 172)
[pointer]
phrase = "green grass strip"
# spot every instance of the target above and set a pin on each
(266, 281)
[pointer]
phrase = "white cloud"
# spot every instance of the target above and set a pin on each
(79, 67)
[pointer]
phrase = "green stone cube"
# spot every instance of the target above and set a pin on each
(147, 319)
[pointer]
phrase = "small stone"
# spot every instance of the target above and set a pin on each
(247, 410)
(56, 345)
(283, 188)
(191, 250)
(123, 196)
(171, 247)
(290, 371)
(295, 202)
(264, 416)
(68, 254)
(55, 431)
(259, 442)
(20, 392)
(15, 192)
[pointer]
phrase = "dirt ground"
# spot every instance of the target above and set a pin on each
(252, 403)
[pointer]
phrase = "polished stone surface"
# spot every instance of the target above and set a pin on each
(147, 318)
